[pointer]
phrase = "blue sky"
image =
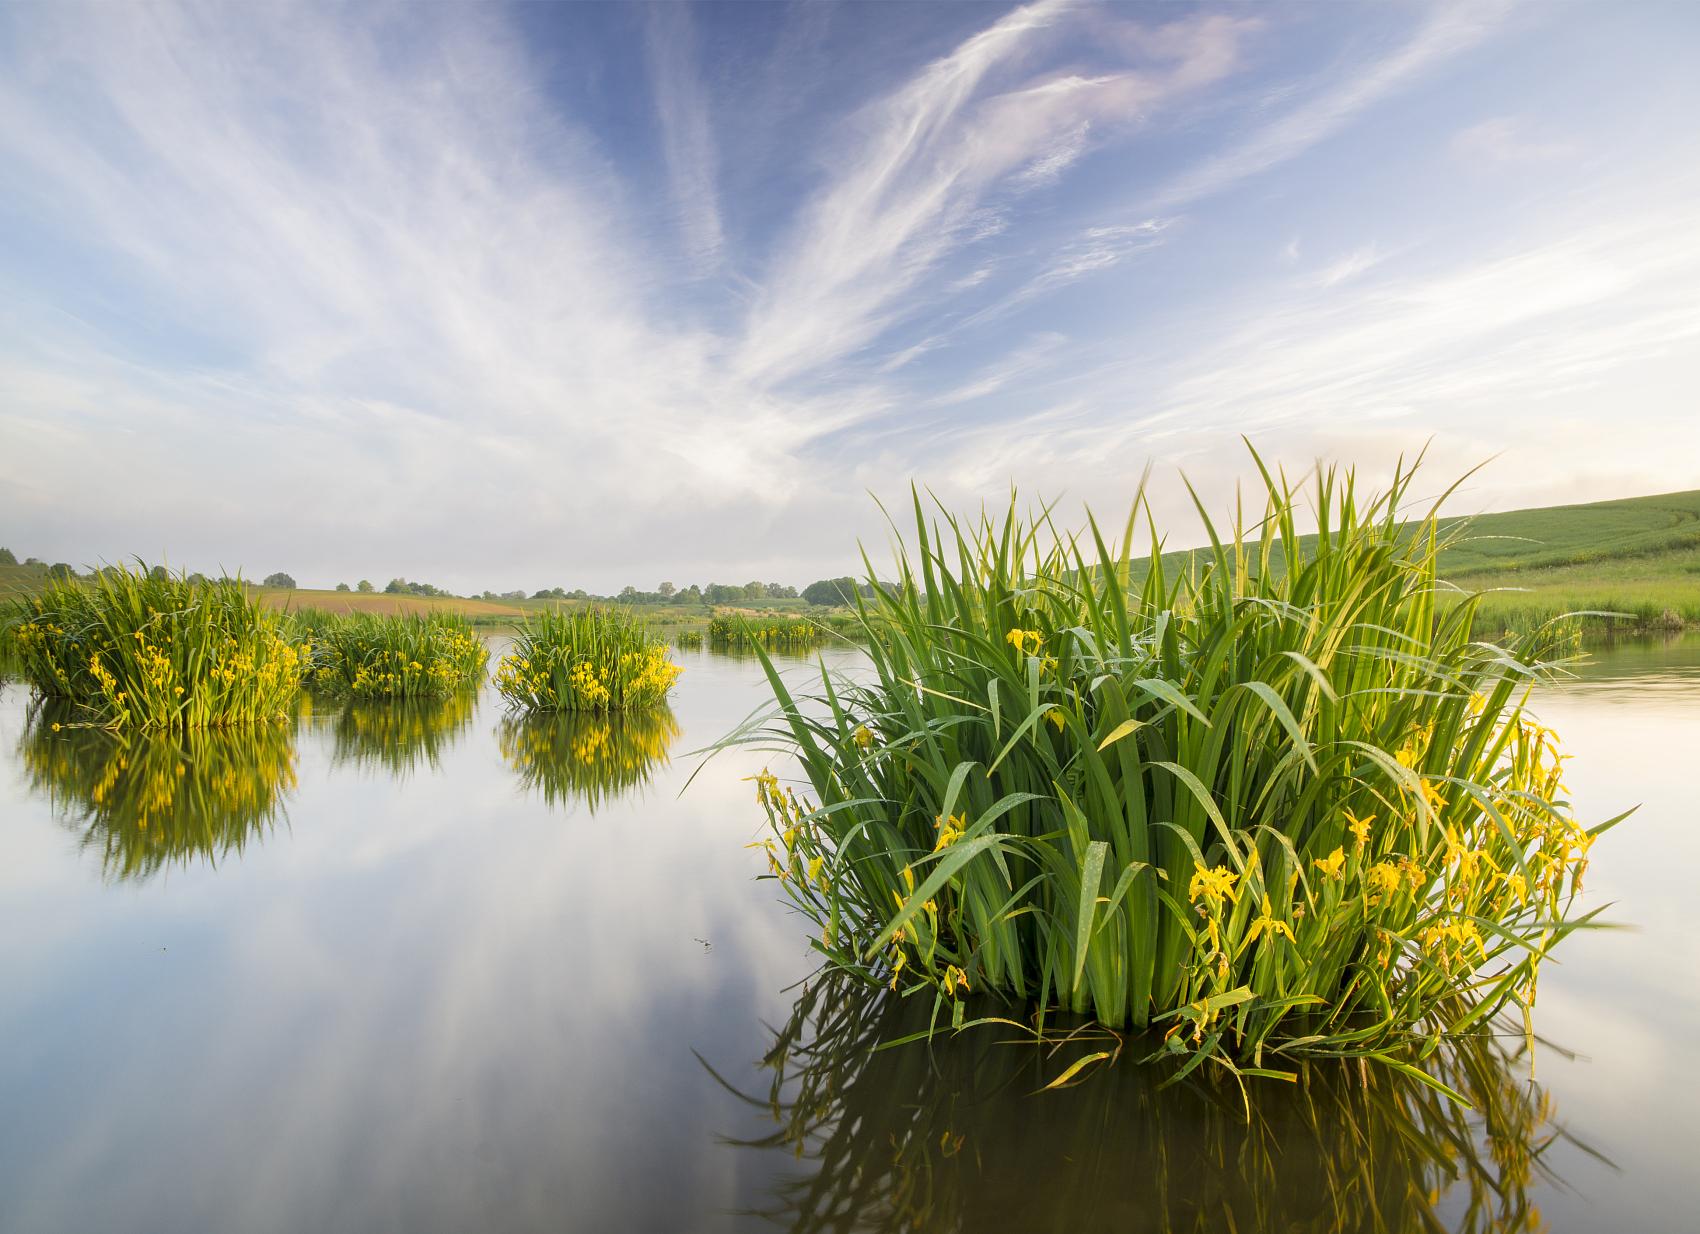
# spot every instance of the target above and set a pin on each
(593, 295)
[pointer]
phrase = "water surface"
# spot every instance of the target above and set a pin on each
(443, 969)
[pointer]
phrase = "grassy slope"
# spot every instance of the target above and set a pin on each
(1639, 555)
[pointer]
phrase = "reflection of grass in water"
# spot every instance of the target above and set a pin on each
(400, 736)
(955, 1136)
(151, 800)
(590, 758)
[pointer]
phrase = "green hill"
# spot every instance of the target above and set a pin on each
(1637, 555)
(1601, 531)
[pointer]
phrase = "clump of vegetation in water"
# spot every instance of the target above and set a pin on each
(688, 640)
(410, 656)
(568, 757)
(772, 633)
(1282, 806)
(147, 800)
(587, 659)
(140, 649)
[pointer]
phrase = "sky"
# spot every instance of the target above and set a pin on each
(595, 295)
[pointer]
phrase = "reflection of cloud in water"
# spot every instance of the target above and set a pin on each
(568, 757)
(1626, 999)
(149, 800)
(399, 736)
(956, 1136)
(489, 1030)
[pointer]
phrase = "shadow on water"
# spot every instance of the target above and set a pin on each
(400, 737)
(955, 1136)
(147, 801)
(570, 757)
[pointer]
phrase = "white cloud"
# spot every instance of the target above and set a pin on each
(1048, 168)
(1507, 140)
(1453, 29)
(688, 143)
(1350, 266)
(913, 184)
(1523, 348)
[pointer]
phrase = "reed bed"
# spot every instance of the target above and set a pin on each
(735, 633)
(580, 757)
(952, 1138)
(688, 640)
(132, 650)
(153, 799)
(1282, 806)
(586, 659)
(402, 656)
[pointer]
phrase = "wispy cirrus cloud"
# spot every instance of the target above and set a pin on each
(1509, 140)
(925, 159)
(1600, 305)
(688, 143)
(1453, 29)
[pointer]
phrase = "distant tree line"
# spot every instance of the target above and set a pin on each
(826, 591)
(833, 591)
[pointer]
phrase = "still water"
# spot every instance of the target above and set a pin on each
(421, 969)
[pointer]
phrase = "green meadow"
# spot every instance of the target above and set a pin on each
(1638, 557)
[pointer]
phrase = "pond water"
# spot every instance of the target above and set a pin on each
(437, 969)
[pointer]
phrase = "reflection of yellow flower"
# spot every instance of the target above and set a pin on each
(590, 757)
(153, 800)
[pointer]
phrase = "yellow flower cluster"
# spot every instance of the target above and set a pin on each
(1028, 642)
(950, 831)
(559, 677)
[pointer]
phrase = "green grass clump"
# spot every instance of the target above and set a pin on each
(734, 633)
(566, 757)
(586, 659)
(132, 650)
(409, 656)
(688, 640)
(1281, 806)
(148, 800)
